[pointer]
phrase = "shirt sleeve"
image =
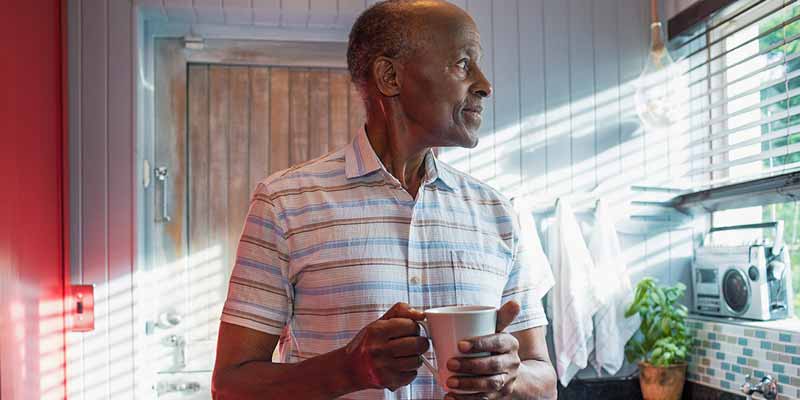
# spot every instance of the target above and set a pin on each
(259, 293)
(530, 277)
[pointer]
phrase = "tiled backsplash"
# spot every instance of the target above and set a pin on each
(724, 353)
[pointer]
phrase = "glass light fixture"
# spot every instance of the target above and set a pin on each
(661, 90)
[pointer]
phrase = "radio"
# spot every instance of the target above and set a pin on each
(748, 281)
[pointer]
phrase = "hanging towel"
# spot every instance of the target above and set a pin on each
(572, 301)
(613, 288)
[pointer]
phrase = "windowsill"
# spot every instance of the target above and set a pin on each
(781, 325)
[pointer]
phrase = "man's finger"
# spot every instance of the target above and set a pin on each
(397, 328)
(506, 315)
(495, 343)
(492, 365)
(482, 384)
(403, 310)
(408, 346)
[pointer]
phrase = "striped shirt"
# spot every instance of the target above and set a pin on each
(330, 245)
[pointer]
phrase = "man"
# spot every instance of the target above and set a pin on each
(340, 255)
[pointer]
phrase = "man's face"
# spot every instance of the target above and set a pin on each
(443, 86)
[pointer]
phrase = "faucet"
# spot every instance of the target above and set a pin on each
(767, 387)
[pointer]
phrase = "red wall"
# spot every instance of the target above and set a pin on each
(32, 259)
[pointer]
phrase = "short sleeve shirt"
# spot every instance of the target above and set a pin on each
(330, 245)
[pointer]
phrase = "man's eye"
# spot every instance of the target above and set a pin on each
(463, 64)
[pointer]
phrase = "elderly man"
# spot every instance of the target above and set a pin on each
(339, 255)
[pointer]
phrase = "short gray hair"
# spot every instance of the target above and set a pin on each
(384, 29)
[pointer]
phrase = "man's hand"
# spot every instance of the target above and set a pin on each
(386, 353)
(498, 371)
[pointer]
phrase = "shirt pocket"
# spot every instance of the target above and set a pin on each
(478, 279)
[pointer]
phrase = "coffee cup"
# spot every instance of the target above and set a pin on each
(445, 327)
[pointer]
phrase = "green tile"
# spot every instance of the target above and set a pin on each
(785, 337)
(758, 374)
(741, 360)
(747, 352)
(720, 355)
(729, 376)
(796, 360)
(761, 334)
(736, 368)
(777, 368)
(711, 372)
(742, 341)
(726, 366)
(783, 379)
(712, 336)
(790, 349)
(715, 346)
(766, 345)
(725, 384)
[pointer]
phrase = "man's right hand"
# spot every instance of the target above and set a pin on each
(386, 353)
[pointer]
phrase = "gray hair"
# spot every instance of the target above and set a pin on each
(387, 28)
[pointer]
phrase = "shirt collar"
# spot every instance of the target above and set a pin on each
(360, 160)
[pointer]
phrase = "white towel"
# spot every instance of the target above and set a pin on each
(613, 287)
(572, 301)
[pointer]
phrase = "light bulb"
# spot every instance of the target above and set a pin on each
(661, 90)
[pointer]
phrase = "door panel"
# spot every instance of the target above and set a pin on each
(219, 130)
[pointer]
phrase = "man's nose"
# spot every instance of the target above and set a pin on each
(482, 87)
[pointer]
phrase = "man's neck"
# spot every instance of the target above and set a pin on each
(398, 152)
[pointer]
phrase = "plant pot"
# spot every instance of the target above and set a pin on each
(662, 383)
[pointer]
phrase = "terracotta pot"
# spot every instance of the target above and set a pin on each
(662, 383)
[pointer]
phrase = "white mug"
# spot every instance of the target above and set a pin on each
(445, 327)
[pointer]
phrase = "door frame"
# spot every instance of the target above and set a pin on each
(176, 53)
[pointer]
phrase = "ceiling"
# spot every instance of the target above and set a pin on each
(321, 14)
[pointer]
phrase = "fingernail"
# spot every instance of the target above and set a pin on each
(453, 364)
(464, 346)
(452, 383)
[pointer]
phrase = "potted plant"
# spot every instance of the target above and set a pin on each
(662, 342)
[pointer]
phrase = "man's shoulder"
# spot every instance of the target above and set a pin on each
(319, 171)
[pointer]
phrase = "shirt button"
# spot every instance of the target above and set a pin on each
(414, 280)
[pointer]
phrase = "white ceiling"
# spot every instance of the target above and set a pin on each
(324, 14)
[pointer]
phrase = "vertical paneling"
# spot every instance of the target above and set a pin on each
(298, 116)
(259, 125)
(606, 64)
(532, 96)
(357, 116)
(198, 191)
(219, 116)
(279, 127)
(482, 157)
(507, 95)
(238, 162)
(318, 113)
(582, 90)
(95, 238)
(339, 93)
(557, 97)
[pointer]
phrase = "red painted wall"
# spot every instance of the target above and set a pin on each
(32, 259)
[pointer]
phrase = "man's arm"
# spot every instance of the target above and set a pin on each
(384, 354)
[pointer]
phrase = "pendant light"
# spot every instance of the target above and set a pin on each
(661, 90)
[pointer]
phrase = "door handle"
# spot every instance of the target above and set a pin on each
(162, 173)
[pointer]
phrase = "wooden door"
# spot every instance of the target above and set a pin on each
(219, 130)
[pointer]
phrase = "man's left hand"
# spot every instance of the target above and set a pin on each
(498, 371)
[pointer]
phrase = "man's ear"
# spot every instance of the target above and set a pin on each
(385, 75)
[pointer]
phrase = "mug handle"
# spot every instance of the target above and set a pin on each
(428, 364)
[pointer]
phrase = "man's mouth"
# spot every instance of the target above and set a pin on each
(473, 111)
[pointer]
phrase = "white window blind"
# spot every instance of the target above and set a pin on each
(743, 70)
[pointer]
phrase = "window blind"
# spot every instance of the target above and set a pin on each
(742, 68)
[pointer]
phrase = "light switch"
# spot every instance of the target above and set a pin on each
(81, 308)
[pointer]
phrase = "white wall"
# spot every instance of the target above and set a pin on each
(561, 120)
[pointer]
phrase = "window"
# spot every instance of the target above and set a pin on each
(743, 68)
(743, 117)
